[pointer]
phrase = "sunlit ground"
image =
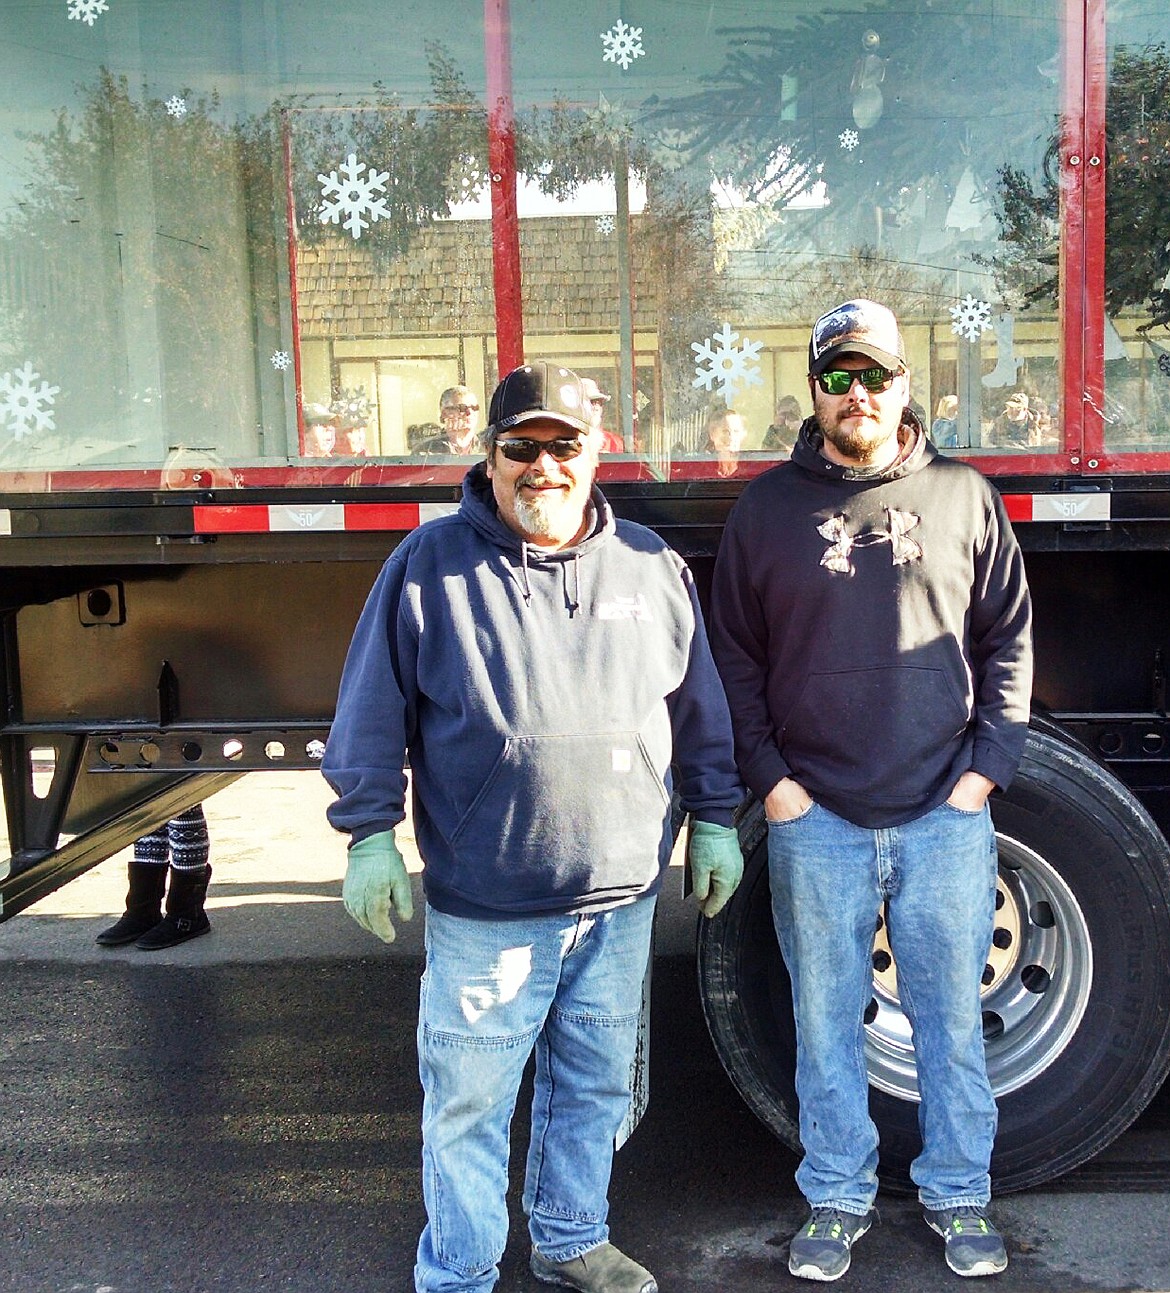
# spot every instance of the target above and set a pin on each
(270, 844)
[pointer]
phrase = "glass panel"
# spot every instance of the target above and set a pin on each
(206, 206)
(1137, 228)
(147, 321)
(715, 179)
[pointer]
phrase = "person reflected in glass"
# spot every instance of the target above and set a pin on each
(597, 399)
(944, 430)
(320, 431)
(351, 411)
(458, 417)
(1043, 432)
(1013, 427)
(725, 436)
(781, 435)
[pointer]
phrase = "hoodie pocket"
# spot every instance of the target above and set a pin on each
(563, 816)
(877, 732)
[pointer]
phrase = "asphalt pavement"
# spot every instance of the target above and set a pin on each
(241, 1112)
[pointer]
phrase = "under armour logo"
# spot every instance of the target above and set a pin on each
(841, 542)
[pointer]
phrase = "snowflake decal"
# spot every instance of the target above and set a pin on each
(352, 196)
(971, 318)
(605, 224)
(25, 405)
(849, 139)
(176, 106)
(1164, 365)
(281, 360)
(725, 364)
(87, 10)
(622, 44)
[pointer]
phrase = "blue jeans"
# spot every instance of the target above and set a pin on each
(572, 987)
(828, 880)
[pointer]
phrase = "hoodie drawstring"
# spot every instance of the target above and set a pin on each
(574, 598)
(526, 587)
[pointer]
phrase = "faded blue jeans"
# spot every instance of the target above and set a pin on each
(492, 990)
(828, 880)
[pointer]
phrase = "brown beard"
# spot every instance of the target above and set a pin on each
(856, 443)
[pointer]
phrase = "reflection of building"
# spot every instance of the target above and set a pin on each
(426, 320)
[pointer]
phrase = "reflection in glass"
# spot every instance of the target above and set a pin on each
(1137, 229)
(313, 227)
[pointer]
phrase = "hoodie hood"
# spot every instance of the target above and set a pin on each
(916, 452)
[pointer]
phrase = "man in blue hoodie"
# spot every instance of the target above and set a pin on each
(543, 665)
(871, 622)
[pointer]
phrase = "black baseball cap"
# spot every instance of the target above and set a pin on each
(540, 390)
(856, 328)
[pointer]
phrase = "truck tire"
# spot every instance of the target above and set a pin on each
(1075, 1019)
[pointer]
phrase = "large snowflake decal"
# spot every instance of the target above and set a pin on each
(622, 44)
(352, 196)
(176, 106)
(24, 404)
(971, 318)
(605, 224)
(849, 139)
(87, 10)
(726, 364)
(281, 360)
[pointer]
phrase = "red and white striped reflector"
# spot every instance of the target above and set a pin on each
(1058, 507)
(212, 518)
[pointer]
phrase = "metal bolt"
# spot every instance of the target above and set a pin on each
(1094, 161)
(1075, 159)
(1092, 462)
(1075, 460)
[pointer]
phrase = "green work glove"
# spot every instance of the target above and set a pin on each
(716, 864)
(376, 884)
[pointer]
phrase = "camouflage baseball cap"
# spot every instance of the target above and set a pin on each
(856, 328)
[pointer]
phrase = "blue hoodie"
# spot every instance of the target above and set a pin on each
(541, 697)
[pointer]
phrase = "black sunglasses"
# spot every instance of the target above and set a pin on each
(525, 450)
(839, 381)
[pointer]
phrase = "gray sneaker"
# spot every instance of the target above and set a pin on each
(820, 1248)
(604, 1269)
(973, 1245)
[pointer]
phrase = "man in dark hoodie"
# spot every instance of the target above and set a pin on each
(542, 663)
(871, 622)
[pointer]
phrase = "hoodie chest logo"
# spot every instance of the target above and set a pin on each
(625, 608)
(896, 534)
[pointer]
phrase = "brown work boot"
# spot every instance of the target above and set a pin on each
(604, 1269)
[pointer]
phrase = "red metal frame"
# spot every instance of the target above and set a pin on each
(497, 27)
(1073, 233)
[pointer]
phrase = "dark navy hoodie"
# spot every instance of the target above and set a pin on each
(873, 630)
(541, 697)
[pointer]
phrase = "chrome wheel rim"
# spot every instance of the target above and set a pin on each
(1036, 983)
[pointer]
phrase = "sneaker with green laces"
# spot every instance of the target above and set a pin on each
(604, 1269)
(973, 1245)
(820, 1248)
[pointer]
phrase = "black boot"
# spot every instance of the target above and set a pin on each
(143, 905)
(185, 916)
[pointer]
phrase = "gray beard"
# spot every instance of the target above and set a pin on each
(537, 516)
